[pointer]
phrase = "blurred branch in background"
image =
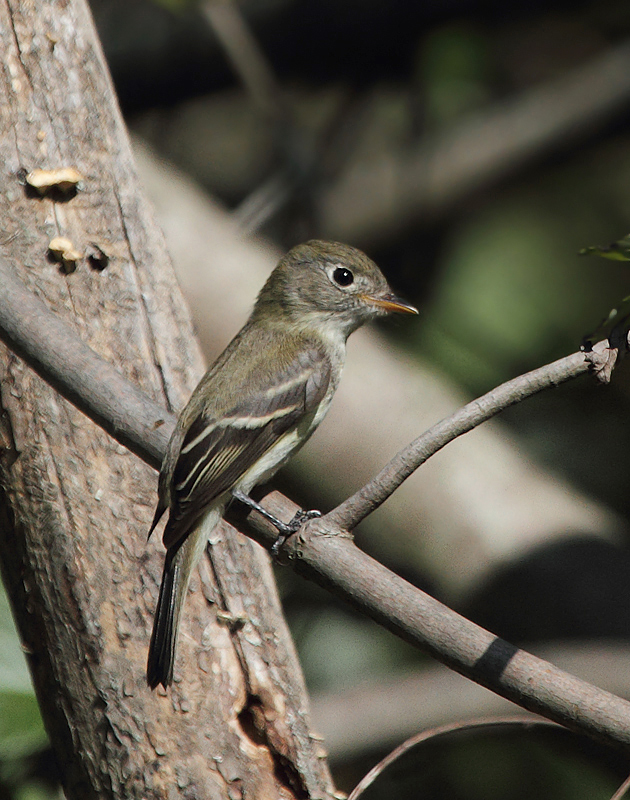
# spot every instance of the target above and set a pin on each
(374, 715)
(375, 200)
(294, 152)
(247, 59)
(317, 162)
(380, 186)
(480, 503)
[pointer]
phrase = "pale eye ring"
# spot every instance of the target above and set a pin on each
(343, 276)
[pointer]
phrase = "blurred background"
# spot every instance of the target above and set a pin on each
(472, 149)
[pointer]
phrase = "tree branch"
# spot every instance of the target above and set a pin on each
(247, 58)
(329, 557)
(94, 386)
(326, 554)
(353, 510)
(371, 201)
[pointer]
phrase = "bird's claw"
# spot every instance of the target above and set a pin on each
(287, 529)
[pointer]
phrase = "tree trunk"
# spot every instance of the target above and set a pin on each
(75, 506)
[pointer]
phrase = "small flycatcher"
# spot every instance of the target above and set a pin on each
(259, 402)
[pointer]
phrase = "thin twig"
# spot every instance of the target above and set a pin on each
(248, 60)
(322, 161)
(622, 790)
(349, 513)
(263, 203)
(257, 76)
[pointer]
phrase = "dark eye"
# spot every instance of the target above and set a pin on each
(343, 276)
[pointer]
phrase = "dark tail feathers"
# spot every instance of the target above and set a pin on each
(164, 636)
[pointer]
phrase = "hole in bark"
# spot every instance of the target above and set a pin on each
(253, 725)
(252, 721)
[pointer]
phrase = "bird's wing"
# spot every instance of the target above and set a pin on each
(215, 453)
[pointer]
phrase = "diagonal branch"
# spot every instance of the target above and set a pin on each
(353, 510)
(371, 200)
(247, 59)
(329, 557)
(94, 386)
(322, 551)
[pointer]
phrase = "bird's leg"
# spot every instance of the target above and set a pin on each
(285, 529)
(250, 503)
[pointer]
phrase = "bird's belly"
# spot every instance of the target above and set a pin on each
(270, 462)
(283, 449)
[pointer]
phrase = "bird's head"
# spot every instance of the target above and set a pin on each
(328, 284)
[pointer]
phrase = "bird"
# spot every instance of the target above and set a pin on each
(256, 406)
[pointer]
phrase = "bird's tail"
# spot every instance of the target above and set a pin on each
(166, 622)
(180, 562)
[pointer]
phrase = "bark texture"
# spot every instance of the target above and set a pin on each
(75, 506)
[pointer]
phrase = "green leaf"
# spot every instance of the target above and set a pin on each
(617, 251)
(616, 318)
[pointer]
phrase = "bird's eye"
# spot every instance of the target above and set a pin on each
(343, 276)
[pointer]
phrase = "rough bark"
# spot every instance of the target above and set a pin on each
(75, 506)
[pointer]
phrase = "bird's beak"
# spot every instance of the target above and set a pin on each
(389, 302)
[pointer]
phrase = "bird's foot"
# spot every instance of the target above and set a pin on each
(288, 529)
(285, 529)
